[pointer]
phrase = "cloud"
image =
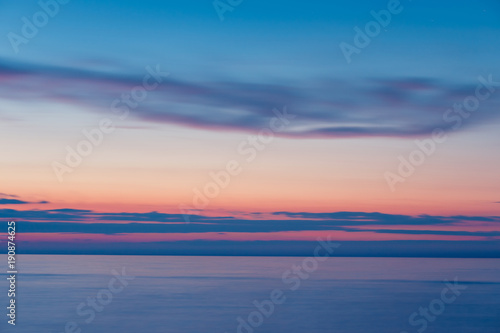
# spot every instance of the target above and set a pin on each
(97, 231)
(6, 201)
(8, 195)
(362, 218)
(324, 108)
(87, 221)
(12, 202)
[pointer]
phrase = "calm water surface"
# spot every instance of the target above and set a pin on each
(208, 294)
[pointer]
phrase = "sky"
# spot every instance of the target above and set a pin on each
(251, 127)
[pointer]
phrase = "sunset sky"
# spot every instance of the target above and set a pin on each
(323, 173)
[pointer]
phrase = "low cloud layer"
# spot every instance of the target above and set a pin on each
(90, 222)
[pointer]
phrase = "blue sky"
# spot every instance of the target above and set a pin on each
(286, 39)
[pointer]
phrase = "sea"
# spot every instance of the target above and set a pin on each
(204, 294)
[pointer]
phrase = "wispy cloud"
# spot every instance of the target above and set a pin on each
(325, 108)
(8, 195)
(11, 199)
